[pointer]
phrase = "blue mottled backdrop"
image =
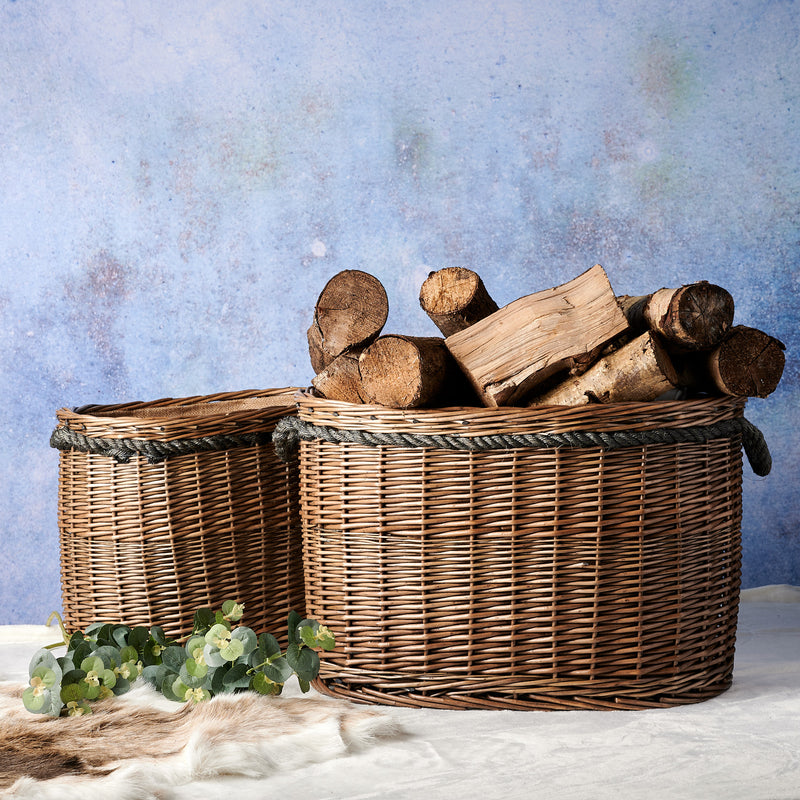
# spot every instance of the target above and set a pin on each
(180, 179)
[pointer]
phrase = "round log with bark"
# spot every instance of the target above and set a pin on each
(455, 298)
(349, 314)
(412, 371)
(695, 317)
(748, 363)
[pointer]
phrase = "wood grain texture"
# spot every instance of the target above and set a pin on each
(508, 353)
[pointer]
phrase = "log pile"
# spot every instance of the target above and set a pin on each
(573, 344)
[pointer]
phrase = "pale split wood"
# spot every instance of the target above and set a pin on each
(639, 371)
(507, 354)
(525, 579)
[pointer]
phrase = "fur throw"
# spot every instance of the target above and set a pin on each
(135, 747)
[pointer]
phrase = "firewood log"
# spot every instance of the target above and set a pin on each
(507, 354)
(349, 314)
(412, 371)
(640, 370)
(341, 379)
(455, 298)
(695, 317)
(747, 363)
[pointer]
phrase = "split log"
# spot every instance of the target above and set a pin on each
(695, 317)
(412, 371)
(507, 354)
(349, 314)
(747, 363)
(455, 298)
(341, 379)
(640, 371)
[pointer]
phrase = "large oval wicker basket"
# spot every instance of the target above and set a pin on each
(168, 506)
(534, 570)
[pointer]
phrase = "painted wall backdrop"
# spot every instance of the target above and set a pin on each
(179, 180)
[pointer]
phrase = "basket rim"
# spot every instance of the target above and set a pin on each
(182, 417)
(468, 420)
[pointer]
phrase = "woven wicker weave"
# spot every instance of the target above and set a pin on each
(149, 543)
(524, 578)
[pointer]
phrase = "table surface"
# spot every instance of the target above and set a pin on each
(743, 744)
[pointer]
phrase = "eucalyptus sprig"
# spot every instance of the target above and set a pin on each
(217, 657)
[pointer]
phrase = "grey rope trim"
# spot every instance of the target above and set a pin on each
(122, 450)
(290, 430)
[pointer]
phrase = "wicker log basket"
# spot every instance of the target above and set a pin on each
(541, 558)
(168, 506)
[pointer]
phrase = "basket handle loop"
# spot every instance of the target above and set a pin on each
(291, 430)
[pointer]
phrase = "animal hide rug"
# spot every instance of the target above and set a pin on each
(137, 746)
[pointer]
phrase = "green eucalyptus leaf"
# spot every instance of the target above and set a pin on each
(66, 663)
(138, 638)
(122, 686)
(232, 610)
(92, 664)
(109, 654)
(218, 636)
(120, 634)
(42, 657)
(151, 653)
(71, 693)
(167, 688)
(304, 685)
(180, 689)
(197, 669)
(194, 644)
(219, 618)
(128, 653)
(307, 636)
(303, 661)
(278, 671)
(217, 677)
(73, 676)
(204, 618)
(36, 702)
(173, 657)
(213, 657)
(103, 633)
(247, 638)
(263, 685)
(294, 620)
(267, 647)
(90, 691)
(48, 677)
(233, 651)
(237, 677)
(108, 678)
(93, 629)
(154, 674)
(83, 649)
(192, 681)
(158, 636)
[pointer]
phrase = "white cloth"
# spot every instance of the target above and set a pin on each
(742, 745)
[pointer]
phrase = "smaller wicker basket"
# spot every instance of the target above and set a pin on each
(543, 558)
(168, 506)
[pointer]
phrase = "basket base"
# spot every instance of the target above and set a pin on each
(636, 700)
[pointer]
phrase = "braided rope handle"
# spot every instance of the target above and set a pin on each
(122, 450)
(291, 430)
